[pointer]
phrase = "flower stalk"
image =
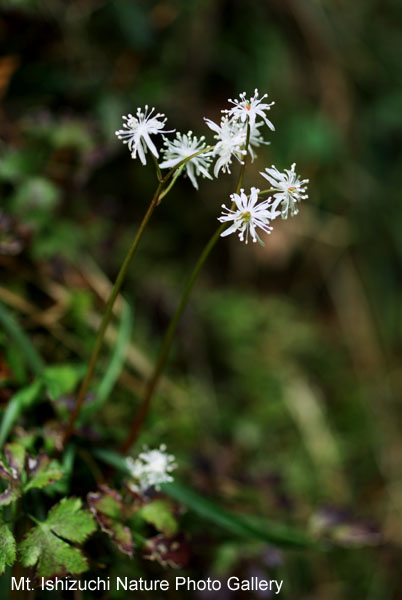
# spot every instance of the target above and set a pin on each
(171, 330)
(108, 315)
(163, 188)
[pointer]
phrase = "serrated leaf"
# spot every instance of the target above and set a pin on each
(159, 514)
(107, 506)
(52, 555)
(7, 547)
(68, 520)
(24, 472)
(42, 472)
(44, 547)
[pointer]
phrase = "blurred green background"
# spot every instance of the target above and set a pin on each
(283, 392)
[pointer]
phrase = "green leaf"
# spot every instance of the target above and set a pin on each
(20, 401)
(42, 472)
(27, 349)
(7, 547)
(43, 546)
(69, 521)
(159, 514)
(107, 507)
(62, 379)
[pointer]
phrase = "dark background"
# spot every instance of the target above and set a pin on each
(284, 386)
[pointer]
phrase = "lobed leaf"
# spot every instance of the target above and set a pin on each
(44, 547)
(68, 520)
(42, 472)
(39, 472)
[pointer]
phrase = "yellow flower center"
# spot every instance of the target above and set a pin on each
(246, 216)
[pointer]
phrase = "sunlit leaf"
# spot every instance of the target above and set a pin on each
(46, 545)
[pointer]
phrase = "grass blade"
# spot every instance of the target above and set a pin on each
(245, 526)
(22, 399)
(25, 345)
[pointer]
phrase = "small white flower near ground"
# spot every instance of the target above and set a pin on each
(183, 146)
(247, 216)
(151, 468)
(137, 131)
(248, 109)
(290, 189)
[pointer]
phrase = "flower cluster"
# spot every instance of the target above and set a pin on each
(151, 468)
(237, 135)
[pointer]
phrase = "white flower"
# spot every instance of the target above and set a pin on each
(230, 136)
(181, 147)
(152, 467)
(290, 189)
(138, 130)
(247, 216)
(248, 109)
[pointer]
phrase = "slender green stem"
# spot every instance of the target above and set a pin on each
(166, 344)
(171, 330)
(159, 193)
(171, 184)
(108, 315)
(158, 171)
(262, 192)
